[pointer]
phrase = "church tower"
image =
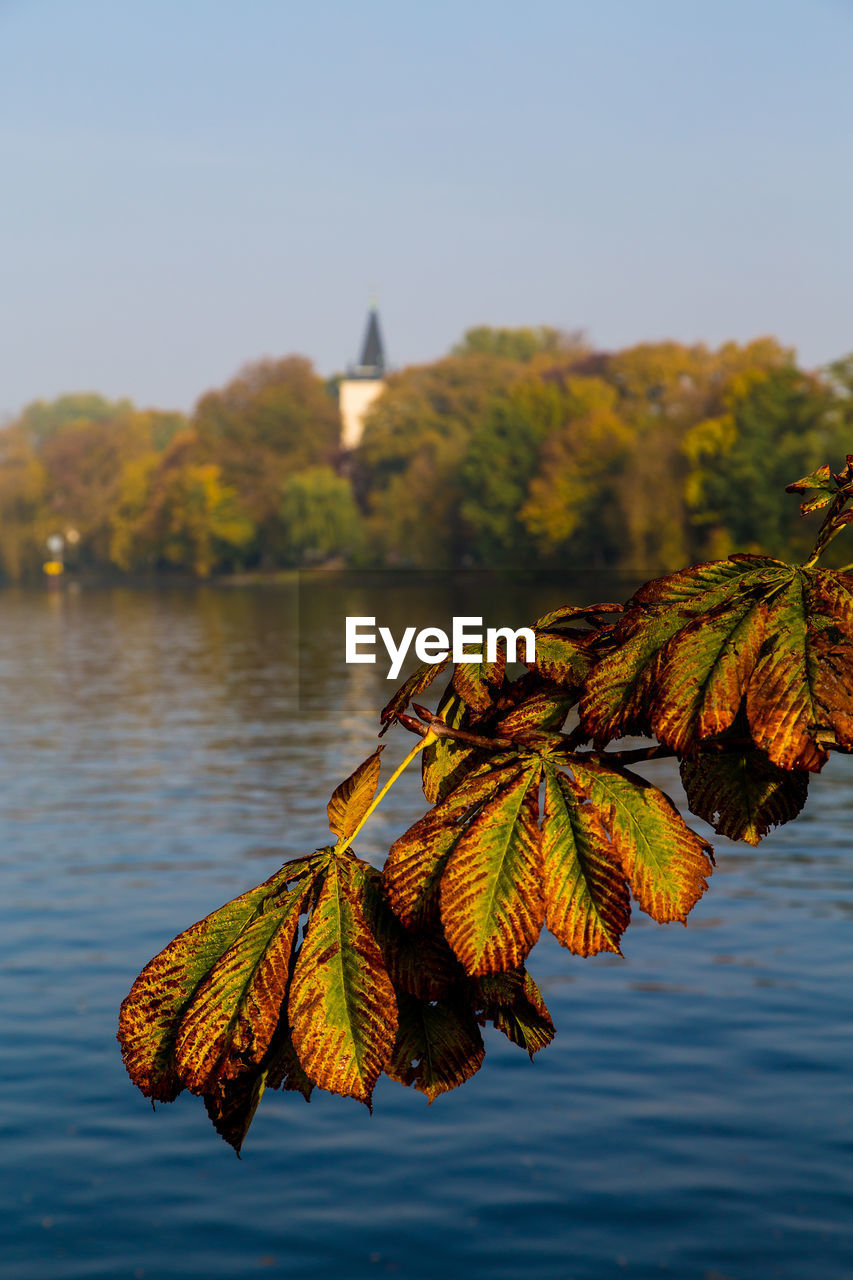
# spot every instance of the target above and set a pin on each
(363, 383)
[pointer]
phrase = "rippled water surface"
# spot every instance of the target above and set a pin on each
(692, 1118)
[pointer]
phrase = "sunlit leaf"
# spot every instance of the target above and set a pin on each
(152, 1011)
(803, 682)
(445, 759)
(342, 1010)
(621, 688)
(586, 891)
(563, 650)
(703, 671)
(820, 479)
(779, 638)
(491, 898)
(351, 800)
(595, 615)
(477, 682)
(416, 861)
(544, 710)
(234, 1014)
(666, 863)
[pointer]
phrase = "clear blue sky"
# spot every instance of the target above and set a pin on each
(190, 184)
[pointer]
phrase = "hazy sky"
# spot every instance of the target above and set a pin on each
(190, 184)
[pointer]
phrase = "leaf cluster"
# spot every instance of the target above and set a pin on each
(332, 972)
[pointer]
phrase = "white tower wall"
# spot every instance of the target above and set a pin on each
(356, 397)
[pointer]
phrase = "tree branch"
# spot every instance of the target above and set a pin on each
(570, 741)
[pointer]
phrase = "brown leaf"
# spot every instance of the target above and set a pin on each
(478, 683)
(491, 898)
(152, 1011)
(284, 1070)
(664, 861)
(231, 1106)
(438, 1046)
(513, 1003)
(416, 683)
(742, 794)
(446, 760)
(587, 902)
(621, 688)
(415, 862)
(351, 800)
(418, 960)
(540, 712)
(234, 1014)
(703, 672)
(342, 1009)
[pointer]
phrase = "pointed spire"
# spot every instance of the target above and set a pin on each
(372, 362)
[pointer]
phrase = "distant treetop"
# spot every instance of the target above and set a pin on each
(519, 344)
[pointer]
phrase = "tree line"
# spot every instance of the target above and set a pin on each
(521, 447)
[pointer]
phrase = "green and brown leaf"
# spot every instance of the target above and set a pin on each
(693, 648)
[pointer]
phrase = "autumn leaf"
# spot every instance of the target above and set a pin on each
(342, 1009)
(620, 690)
(741, 793)
(418, 959)
(416, 861)
(563, 651)
(802, 686)
(151, 1013)
(491, 899)
(822, 478)
(351, 800)
(417, 682)
(477, 682)
(438, 1046)
(231, 1106)
(664, 862)
(586, 891)
(692, 647)
(513, 1003)
(443, 758)
(231, 1103)
(235, 1011)
(539, 713)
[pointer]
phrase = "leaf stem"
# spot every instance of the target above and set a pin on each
(425, 741)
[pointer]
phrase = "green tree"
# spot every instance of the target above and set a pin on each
(175, 510)
(501, 460)
(84, 460)
(406, 469)
(318, 519)
(523, 344)
(276, 417)
(23, 483)
(43, 419)
(571, 511)
(776, 422)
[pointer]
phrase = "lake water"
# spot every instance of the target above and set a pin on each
(162, 751)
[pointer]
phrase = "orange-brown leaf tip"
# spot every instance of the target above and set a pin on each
(492, 907)
(341, 1007)
(351, 800)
